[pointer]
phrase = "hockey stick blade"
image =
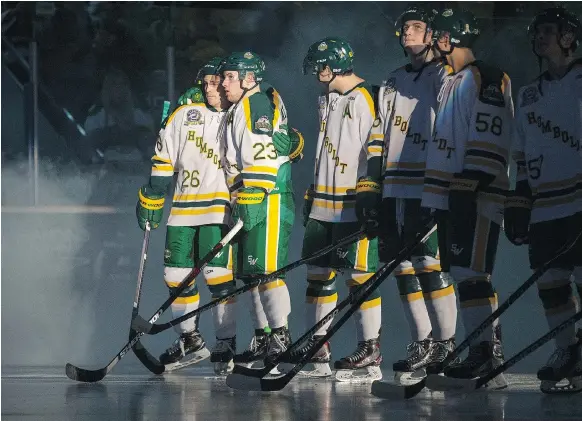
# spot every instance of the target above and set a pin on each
(269, 365)
(157, 328)
(387, 390)
(277, 383)
(414, 389)
(139, 324)
(451, 384)
(76, 373)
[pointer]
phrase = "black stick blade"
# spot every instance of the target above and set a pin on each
(141, 325)
(83, 375)
(147, 359)
(250, 372)
(386, 390)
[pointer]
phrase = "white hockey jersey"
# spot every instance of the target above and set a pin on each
(345, 122)
(190, 146)
(251, 158)
(547, 144)
(472, 134)
(407, 104)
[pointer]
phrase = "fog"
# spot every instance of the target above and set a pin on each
(68, 279)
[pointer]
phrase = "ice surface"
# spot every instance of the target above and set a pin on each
(195, 394)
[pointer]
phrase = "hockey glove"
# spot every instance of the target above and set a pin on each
(368, 199)
(250, 207)
(516, 218)
(150, 207)
(289, 143)
(308, 203)
(193, 95)
(463, 200)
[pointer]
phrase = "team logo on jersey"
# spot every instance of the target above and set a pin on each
(447, 12)
(322, 46)
(529, 96)
(389, 86)
(248, 55)
(263, 124)
(193, 117)
(492, 95)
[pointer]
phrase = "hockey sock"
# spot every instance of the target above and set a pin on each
(257, 313)
(414, 306)
(276, 303)
(221, 283)
(441, 303)
(320, 296)
(186, 302)
(478, 300)
(368, 318)
(559, 305)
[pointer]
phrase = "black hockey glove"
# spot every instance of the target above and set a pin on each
(516, 218)
(368, 198)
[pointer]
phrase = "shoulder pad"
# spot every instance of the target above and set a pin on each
(491, 87)
(261, 113)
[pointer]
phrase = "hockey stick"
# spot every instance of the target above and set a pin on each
(84, 375)
(467, 385)
(238, 381)
(147, 359)
(144, 326)
(391, 390)
(269, 365)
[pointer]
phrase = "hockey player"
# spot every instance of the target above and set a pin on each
(466, 174)
(545, 210)
(188, 144)
(407, 104)
(260, 183)
(346, 112)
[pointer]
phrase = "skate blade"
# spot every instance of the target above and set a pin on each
(409, 378)
(566, 386)
(319, 371)
(363, 375)
(193, 358)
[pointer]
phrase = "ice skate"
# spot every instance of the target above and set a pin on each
(439, 353)
(222, 356)
(188, 349)
(412, 369)
(563, 371)
(482, 359)
(363, 366)
(279, 341)
(319, 362)
(254, 355)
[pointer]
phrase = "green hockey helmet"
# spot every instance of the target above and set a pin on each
(413, 12)
(460, 24)
(243, 62)
(210, 68)
(565, 20)
(333, 52)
